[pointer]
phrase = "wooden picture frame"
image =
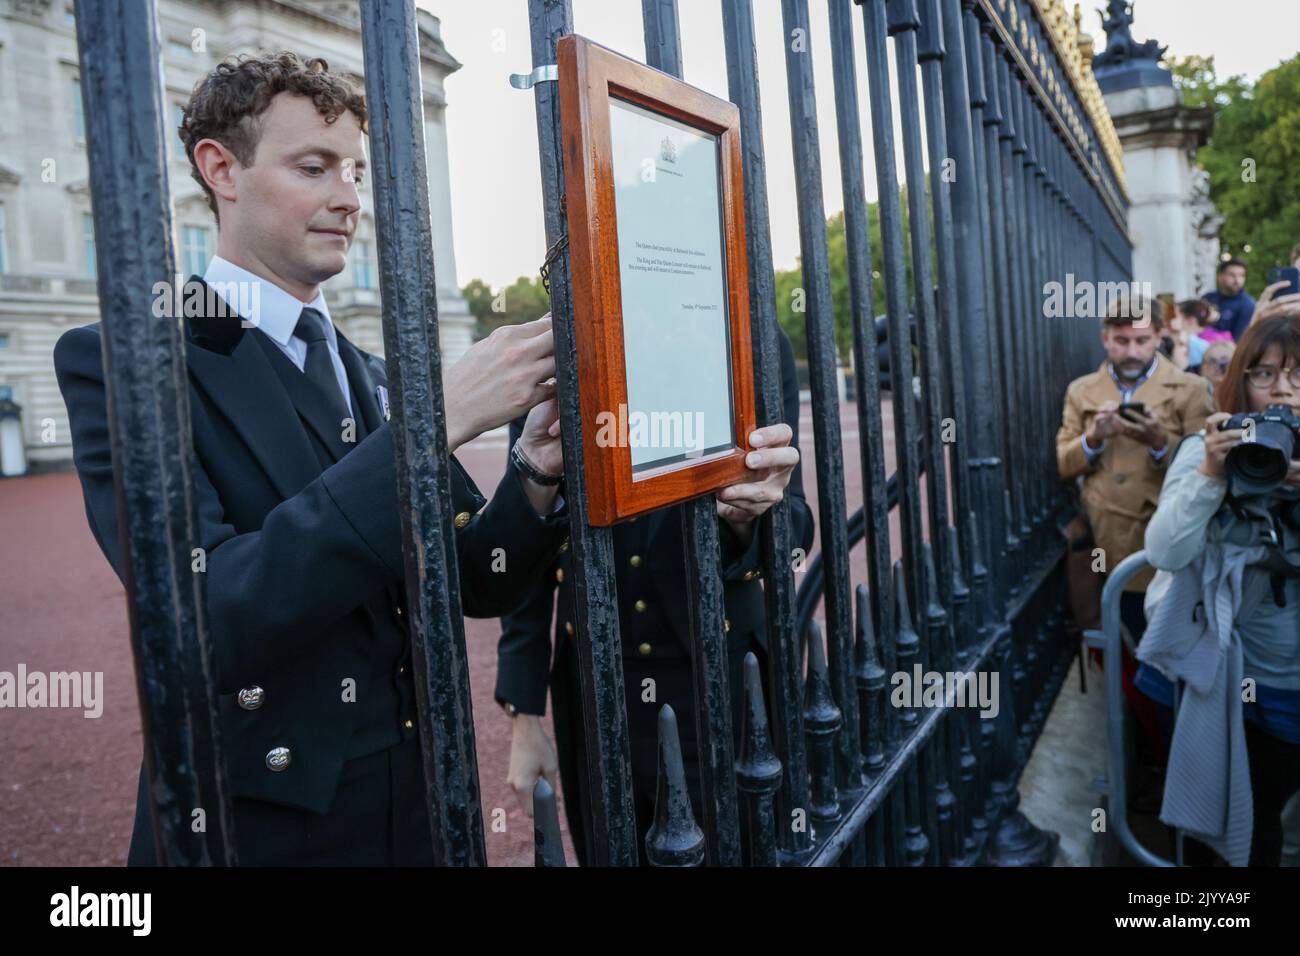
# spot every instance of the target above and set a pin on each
(612, 111)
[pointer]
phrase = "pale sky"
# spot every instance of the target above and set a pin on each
(492, 131)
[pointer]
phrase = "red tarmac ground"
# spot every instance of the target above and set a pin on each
(68, 783)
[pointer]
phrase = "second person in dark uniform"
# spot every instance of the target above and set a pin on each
(651, 586)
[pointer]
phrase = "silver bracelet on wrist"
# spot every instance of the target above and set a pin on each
(529, 470)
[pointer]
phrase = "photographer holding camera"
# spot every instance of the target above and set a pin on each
(1228, 526)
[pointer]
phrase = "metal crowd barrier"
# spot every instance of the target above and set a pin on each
(1110, 641)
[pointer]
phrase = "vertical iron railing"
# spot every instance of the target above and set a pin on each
(784, 647)
(403, 228)
(704, 602)
(832, 510)
(146, 388)
(1017, 194)
(612, 828)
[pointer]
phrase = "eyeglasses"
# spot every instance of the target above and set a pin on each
(1221, 364)
(1265, 376)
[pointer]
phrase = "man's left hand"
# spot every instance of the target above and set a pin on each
(1143, 428)
(541, 445)
(769, 467)
(540, 441)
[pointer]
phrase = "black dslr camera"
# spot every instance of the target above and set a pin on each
(1258, 467)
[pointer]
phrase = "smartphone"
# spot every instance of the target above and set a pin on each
(1285, 274)
(1128, 409)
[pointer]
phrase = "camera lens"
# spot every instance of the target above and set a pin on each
(1259, 467)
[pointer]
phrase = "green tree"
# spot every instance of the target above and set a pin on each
(1196, 78)
(522, 301)
(1252, 159)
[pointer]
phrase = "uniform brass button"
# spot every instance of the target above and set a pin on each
(462, 519)
(568, 627)
(644, 650)
(397, 609)
(640, 605)
(635, 560)
(565, 546)
(402, 669)
(251, 698)
(750, 575)
(726, 625)
(559, 575)
(407, 724)
(277, 758)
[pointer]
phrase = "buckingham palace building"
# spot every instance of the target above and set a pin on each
(47, 240)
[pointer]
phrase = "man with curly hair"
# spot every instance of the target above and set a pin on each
(295, 481)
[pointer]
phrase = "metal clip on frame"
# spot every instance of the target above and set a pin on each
(547, 73)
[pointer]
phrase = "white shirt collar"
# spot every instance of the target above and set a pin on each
(268, 307)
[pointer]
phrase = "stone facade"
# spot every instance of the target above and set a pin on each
(47, 252)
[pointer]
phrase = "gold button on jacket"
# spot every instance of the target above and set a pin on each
(462, 519)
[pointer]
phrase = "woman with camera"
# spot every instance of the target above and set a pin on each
(1228, 526)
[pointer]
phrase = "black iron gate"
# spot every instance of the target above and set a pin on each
(1017, 185)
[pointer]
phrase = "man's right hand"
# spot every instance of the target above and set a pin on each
(500, 378)
(532, 755)
(1104, 424)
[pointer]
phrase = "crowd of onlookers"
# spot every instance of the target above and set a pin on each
(1185, 444)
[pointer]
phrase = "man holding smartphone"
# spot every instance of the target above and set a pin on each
(1118, 428)
(1118, 432)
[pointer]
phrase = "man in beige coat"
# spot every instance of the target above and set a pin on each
(1122, 456)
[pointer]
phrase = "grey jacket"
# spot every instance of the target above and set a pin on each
(1193, 638)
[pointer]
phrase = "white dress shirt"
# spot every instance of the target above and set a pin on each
(268, 307)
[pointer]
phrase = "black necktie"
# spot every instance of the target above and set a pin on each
(319, 367)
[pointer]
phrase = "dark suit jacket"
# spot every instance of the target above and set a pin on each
(305, 576)
(651, 588)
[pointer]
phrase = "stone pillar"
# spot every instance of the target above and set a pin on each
(1171, 220)
(1173, 224)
